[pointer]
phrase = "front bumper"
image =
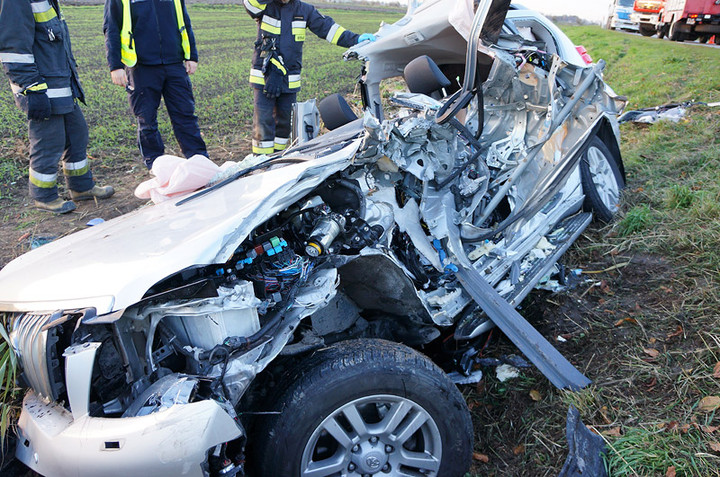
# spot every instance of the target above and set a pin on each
(624, 24)
(647, 18)
(171, 442)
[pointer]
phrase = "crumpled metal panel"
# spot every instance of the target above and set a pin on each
(137, 250)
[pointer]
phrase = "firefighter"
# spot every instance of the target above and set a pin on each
(36, 55)
(151, 52)
(277, 61)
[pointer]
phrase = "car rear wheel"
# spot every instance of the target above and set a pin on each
(601, 179)
(366, 407)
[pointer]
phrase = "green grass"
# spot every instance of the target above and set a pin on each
(8, 391)
(651, 451)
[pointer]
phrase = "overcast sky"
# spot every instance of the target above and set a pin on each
(591, 9)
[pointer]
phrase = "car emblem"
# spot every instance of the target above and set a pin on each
(372, 462)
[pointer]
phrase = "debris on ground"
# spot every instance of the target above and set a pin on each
(585, 449)
(36, 242)
(505, 372)
(95, 221)
(674, 112)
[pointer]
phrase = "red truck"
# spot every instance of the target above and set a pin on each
(691, 20)
(647, 14)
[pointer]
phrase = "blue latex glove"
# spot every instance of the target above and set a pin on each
(366, 37)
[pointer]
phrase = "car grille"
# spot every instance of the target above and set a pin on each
(30, 342)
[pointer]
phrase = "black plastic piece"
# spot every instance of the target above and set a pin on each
(495, 20)
(335, 111)
(457, 102)
(585, 449)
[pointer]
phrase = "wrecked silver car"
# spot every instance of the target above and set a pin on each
(268, 324)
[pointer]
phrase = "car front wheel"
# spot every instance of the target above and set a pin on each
(366, 407)
(602, 180)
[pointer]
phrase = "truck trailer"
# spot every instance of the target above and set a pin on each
(691, 20)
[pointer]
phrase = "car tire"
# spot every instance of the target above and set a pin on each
(601, 179)
(717, 38)
(362, 406)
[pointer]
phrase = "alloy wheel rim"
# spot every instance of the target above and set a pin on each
(378, 435)
(603, 178)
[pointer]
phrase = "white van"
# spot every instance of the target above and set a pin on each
(619, 15)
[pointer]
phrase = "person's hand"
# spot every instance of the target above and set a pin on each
(39, 108)
(119, 77)
(190, 67)
(274, 81)
(366, 37)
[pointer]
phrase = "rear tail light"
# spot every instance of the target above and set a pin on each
(585, 56)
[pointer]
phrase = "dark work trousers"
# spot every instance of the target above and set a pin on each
(271, 122)
(171, 82)
(63, 136)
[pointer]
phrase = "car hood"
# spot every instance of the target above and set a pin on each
(111, 266)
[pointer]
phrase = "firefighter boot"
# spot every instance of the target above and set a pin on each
(58, 206)
(96, 192)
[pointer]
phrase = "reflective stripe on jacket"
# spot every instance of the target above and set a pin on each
(36, 53)
(286, 24)
(148, 32)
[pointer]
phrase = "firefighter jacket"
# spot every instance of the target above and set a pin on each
(281, 33)
(36, 53)
(147, 32)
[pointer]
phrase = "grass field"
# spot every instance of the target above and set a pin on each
(645, 328)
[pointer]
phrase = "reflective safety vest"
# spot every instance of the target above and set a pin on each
(127, 43)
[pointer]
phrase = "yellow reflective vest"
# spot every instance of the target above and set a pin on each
(127, 43)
